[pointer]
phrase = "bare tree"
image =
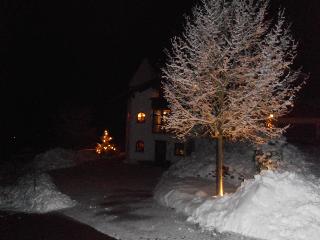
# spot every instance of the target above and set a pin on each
(228, 72)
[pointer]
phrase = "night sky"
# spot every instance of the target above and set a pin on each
(62, 58)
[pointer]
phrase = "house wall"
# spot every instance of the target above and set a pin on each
(141, 102)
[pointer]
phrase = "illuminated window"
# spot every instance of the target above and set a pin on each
(179, 149)
(139, 146)
(141, 117)
(159, 118)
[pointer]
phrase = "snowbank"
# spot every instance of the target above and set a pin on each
(271, 206)
(239, 162)
(54, 159)
(34, 193)
(58, 158)
(274, 205)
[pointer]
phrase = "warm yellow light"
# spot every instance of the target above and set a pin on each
(269, 121)
(141, 117)
(221, 192)
(165, 112)
(105, 146)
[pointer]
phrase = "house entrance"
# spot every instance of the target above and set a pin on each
(160, 152)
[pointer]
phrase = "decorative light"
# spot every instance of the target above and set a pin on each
(269, 122)
(166, 111)
(105, 146)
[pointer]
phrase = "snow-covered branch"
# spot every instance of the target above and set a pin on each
(229, 70)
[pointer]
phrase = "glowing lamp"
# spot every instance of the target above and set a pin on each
(269, 122)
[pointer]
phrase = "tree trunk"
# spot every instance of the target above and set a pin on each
(219, 164)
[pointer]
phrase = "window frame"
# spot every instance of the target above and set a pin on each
(159, 115)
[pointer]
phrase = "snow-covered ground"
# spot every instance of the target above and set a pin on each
(116, 199)
(121, 200)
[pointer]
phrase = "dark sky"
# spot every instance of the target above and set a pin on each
(58, 55)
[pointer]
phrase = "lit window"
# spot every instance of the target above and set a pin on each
(141, 117)
(159, 119)
(179, 149)
(139, 146)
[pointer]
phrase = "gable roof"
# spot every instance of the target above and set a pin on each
(144, 74)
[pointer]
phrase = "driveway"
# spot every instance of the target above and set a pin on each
(116, 199)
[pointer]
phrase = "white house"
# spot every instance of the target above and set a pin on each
(146, 140)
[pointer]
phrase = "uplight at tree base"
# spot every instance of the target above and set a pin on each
(220, 190)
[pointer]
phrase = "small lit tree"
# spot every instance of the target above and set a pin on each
(105, 146)
(228, 72)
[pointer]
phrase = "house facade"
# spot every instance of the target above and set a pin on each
(146, 139)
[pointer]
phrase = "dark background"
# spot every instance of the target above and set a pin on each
(65, 65)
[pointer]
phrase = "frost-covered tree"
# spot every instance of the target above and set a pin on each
(230, 69)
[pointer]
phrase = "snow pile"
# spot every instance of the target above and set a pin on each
(54, 159)
(62, 158)
(34, 193)
(239, 162)
(273, 205)
(34, 190)
(276, 205)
